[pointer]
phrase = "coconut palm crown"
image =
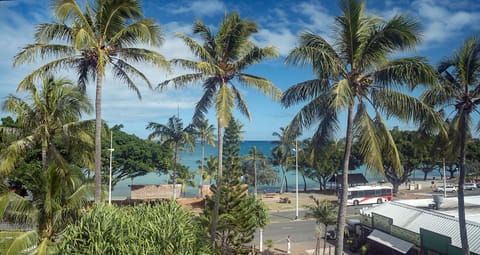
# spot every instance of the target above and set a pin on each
(104, 34)
(222, 59)
(356, 74)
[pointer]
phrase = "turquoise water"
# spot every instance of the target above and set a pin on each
(122, 189)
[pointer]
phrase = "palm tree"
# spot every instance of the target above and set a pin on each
(53, 111)
(324, 213)
(100, 36)
(174, 135)
(204, 131)
(282, 154)
(210, 169)
(223, 57)
(460, 93)
(252, 159)
(354, 72)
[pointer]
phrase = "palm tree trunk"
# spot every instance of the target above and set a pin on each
(216, 206)
(461, 181)
(201, 167)
(174, 178)
(342, 209)
(44, 157)
(255, 173)
(283, 180)
(304, 183)
(98, 138)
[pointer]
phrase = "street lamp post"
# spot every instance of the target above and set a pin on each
(296, 180)
(110, 173)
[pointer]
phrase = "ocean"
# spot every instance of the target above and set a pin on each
(122, 189)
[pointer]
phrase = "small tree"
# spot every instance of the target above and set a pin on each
(174, 136)
(324, 212)
(240, 214)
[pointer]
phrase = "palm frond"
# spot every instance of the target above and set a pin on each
(341, 95)
(206, 101)
(144, 31)
(406, 71)
(224, 104)
(256, 55)
(398, 33)
(46, 32)
(30, 53)
(181, 81)
(61, 63)
(143, 56)
(404, 107)
(122, 71)
(441, 96)
(304, 91)
(326, 129)
(240, 102)
(196, 48)
(389, 146)
(22, 243)
(261, 84)
(368, 139)
(316, 51)
(10, 155)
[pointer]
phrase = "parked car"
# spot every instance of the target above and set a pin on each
(449, 188)
(469, 186)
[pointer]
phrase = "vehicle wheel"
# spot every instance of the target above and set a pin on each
(379, 201)
(355, 203)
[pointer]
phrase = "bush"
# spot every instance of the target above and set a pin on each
(164, 228)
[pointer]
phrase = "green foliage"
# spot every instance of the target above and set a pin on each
(87, 39)
(222, 59)
(164, 228)
(174, 136)
(324, 212)
(133, 156)
(240, 214)
(231, 152)
(322, 162)
(358, 75)
(210, 168)
(58, 202)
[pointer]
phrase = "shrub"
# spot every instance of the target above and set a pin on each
(164, 228)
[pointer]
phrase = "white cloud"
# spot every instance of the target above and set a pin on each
(201, 7)
(320, 19)
(441, 21)
(283, 39)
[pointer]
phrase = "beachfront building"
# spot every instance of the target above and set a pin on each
(397, 228)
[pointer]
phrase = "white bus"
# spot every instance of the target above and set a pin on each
(359, 195)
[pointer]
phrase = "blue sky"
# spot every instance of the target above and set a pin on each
(446, 24)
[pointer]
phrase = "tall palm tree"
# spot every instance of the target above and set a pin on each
(324, 213)
(460, 93)
(223, 58)
(354, 72)
(52, 111)
(174, 135)
(105, 34)
(282, 153)
(204, 131)
(252, 159)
